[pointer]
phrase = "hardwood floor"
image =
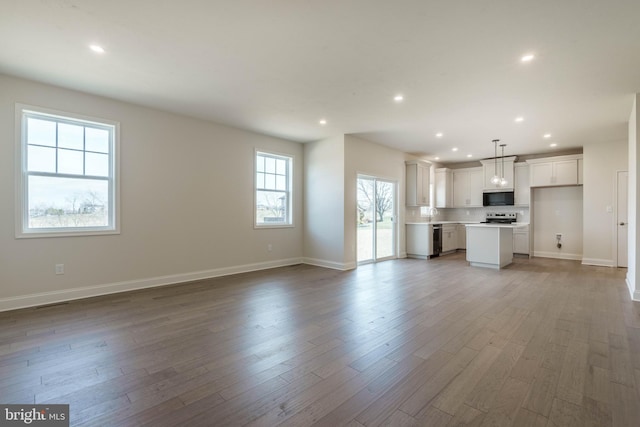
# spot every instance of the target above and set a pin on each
(399, 343)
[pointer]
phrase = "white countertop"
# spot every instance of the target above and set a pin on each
(440, 222)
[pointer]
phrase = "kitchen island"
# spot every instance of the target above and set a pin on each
(490, 245)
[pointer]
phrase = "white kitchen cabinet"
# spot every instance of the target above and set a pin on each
(540, 174)
(460, 188)
(417, 183)
(443, 188)
(521, 240)
(419, 240)
(489, 246)
(489, 170)
(475, 187)
(462, 236)
(565, 172)
(522, 189)
(449, 237)
(554, 171)
(467, 187)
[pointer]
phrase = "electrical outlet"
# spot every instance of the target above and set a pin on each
(558, 236)
(269, 247)
(59, 268)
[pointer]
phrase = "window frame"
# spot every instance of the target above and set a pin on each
(22, 230)
(290, 159)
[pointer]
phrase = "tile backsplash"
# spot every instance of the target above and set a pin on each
(479, 214)
(468, 214)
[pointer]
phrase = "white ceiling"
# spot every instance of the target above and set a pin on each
(277, 67)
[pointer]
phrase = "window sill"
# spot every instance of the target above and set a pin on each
(66, 233)
(260, 227)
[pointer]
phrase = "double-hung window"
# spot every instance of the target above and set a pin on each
(67, 183)
(273, 190)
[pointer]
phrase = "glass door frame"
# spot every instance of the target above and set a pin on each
(374, 230)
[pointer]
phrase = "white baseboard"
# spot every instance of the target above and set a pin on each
(343, 266)
(600, 262)
(402, 255)
(544, 254)
(24, 301)
(633, 293)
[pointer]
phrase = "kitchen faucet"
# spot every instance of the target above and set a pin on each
(431, 212)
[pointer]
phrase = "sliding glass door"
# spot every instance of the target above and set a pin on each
(376, 222)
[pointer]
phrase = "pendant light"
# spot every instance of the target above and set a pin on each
(503, 180)
(495, 180)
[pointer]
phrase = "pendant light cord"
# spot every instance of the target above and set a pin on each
(503, 177)
(495, 157)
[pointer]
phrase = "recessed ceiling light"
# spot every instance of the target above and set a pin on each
(546, 135)
(96, 48)
(528, 57)
(439, 135)
(454, 149)
(519, 119)
(469, 155)
(436, 158)
(398, 98)
(322, 122)
(553, 145)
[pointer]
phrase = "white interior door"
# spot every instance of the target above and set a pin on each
(622, 218)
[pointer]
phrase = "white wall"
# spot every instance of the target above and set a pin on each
(634, 201)
(186, 205)
(331, 170)
(557, 210)
(601, 164)
(368, 158)
(324, 203)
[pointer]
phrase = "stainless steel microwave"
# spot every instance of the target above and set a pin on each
(497, 198)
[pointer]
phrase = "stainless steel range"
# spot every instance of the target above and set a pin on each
(500, 218)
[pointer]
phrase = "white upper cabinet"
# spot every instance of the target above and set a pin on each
(522, 189)
(565, 172)
(467, 187)
(541, 174)
(475, 186)
(489, 170)
(554, 171)
(417, 183)
(444, 188)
